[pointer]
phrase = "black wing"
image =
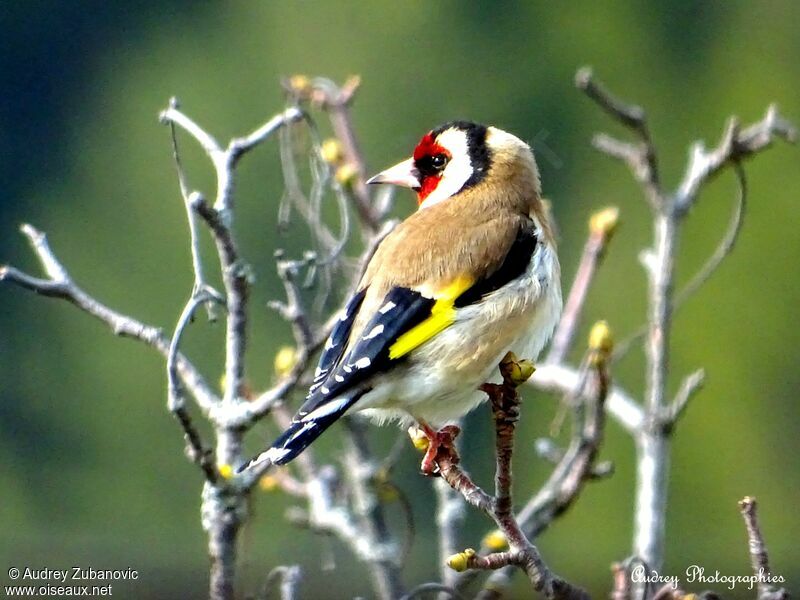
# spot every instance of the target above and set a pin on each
(401, 310)
(337, 341)
(514, 265)
(340, 380)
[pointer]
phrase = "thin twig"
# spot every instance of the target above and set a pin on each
(575, 468)
(601, 229)
(189, 199)
(726, 245)
(360, 469)
(736, 144)
(689, 387)
(336, 101)
(642, 158)
(563, 379)
(505, 400)
(176, 403)
(287, 578)
(254, 410)
(652, 434)
(759, 558)
(450, 516)
(723, 249)
(61, 285)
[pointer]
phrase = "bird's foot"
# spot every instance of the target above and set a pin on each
(438, 445)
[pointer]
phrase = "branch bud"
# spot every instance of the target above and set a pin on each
(418, 438)
(285, 360)
(604, 222)
(300, 85)
(601, 343)
(514, 370)
(268, 483)
(460, 562)
(331, 151)
(495, 540)
(346, 174)
(387, 492)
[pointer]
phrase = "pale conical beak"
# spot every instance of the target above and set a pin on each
(404, 174)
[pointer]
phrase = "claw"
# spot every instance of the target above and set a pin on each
(438, 442)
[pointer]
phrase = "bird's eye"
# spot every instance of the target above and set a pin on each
(438, 161)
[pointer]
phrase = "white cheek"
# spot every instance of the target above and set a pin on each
(458, 170)
(456, 174)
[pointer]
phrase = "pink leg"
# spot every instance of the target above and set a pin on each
(438, 441)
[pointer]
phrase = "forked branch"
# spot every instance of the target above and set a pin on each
(505, 400)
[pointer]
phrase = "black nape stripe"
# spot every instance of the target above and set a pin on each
(479, 155)
(514, 265)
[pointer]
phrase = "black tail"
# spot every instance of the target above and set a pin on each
(304, 429)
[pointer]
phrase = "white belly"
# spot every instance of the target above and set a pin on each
(439, 381)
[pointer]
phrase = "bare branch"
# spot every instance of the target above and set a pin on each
(288, 581)
(504, 399)
(235, 276)
(62, 286)
(630, 115)
(176, 403)
(734, 146)
(336, 101)
(640, 158)
(576, 466)
(759, 558)
(189, 199)
(566, 380)
(360, 469)
(689, 387)
(239, 146)
(652, 436)
(450, 517)
(601, 228)
(723, 249)
(174, 115)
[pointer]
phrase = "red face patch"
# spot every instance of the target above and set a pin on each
(424, 154)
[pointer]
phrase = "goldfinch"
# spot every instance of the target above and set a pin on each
(469, 276)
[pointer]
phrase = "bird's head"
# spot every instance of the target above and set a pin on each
(461, 155)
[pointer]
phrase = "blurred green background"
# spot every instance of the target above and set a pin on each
(91, 464)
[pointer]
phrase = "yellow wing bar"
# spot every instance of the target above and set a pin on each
(443, 314)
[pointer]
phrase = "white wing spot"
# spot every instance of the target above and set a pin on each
(325, 390)
(387, 307)
(348, 368)
(338, 378)
(308, 425)
(376, 331)
(329, 344)
(325, 410)
(344, 316)
(363, 363)
(272, 455)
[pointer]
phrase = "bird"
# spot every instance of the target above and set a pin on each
(472, 274)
